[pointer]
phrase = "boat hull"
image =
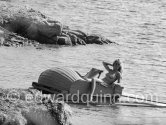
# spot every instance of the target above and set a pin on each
(67, 82)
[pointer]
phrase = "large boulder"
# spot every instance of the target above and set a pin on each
(31, 24)
(27, 107)
(45, 32)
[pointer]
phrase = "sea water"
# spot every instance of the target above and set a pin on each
(139, 28)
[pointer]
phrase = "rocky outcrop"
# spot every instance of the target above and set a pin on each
(11, 39)
(33, 25)
(26, 107)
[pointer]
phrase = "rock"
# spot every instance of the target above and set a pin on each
(6, 44)
(34, 25)
(73, 39)
(13, 119)
(31, 24)
(12, 39)
(76, 40)
(50, 30)
(1, 37)
(44, 33)
(40, 32)
(93, 39)
(81, 41)
(79, 34)
(97, 39)
(29, 106)
(64, 40)
(1, 41)
(84, 39)
(1, 33)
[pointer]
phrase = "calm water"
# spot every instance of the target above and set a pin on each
(139, 27)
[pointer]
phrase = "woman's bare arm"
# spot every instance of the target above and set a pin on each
(119, 77)
(106, 65)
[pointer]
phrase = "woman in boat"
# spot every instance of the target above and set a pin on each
(114, 74)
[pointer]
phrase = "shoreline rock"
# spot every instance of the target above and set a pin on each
(33, 26)
(9, 39)
(17, 108)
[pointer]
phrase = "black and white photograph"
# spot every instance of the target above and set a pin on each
(82, 62)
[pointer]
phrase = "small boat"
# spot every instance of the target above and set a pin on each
(70, 86)
(73, 86)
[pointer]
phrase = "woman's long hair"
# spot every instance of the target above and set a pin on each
(117, 61)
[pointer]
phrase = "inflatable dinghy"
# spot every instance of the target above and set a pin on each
(67, 81)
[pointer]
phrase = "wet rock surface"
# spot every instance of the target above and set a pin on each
(24, 26)
(18, 107)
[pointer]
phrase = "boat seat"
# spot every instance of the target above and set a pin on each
(91, 74)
